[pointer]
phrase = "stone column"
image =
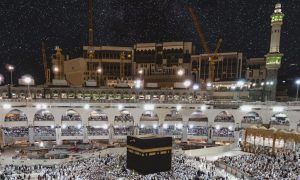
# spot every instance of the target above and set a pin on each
(236, 138)
(58, 135)
(31, 134)
(136, 130)
(161, 129)
(184, 137)
(210, 134)
(110, 134)
(85, 135)
(2, 139)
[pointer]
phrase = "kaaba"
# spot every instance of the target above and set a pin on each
(147, 155)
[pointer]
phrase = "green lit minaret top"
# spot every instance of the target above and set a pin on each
(273, 58)
(277, 16)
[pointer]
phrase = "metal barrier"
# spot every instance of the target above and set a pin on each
(233, 171)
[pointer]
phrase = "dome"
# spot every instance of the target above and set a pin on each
(278, 6)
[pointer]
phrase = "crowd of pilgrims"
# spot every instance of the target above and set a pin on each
(92, 131)
(284, 164)
(148, 130)
(198, 131)
(98, 118)
(122, 131)
(71, 117)
(172, 117)
(72, 131)
(251, 119)
(16, 132)
(224, 118)
(171, 130)
(113, 167)
(223, 132)
(124, 117)
(198, 119)
(44, 117)
(44, 131)
(15, 117)
(150, 115)
(280, 122)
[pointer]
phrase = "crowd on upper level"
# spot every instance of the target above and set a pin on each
(72, 131)
(92, 131)
(224, 117)
(71, 117)
(279, 119)
(123, 131)
(44, 117)
(15, 117)
(98, 118)
(252, 117)
(198, 131)
(148, 130)
(16, 132)
(223, 132)
(124, 118)
(50, 131)
(43, 131)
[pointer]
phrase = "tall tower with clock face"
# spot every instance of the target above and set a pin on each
(273, 58)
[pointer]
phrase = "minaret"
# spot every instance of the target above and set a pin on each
(273, 58)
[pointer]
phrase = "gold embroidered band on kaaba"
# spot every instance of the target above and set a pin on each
(150, 151)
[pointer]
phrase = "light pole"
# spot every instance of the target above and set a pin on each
(11, 68)
(28, 80)
(297, 93)
(99, 71)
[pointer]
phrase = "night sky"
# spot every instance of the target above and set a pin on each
(243, 25)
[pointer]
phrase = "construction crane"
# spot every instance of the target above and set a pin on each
(212, 57)
(46, 69)
(91, 51)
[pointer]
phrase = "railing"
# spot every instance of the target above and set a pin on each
(209, 151)
(65, 100)
(228, 103)
(234, 171)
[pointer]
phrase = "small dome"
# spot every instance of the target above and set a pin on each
(278, 6)
(283, 131)
(293, 131)
(253, 127)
